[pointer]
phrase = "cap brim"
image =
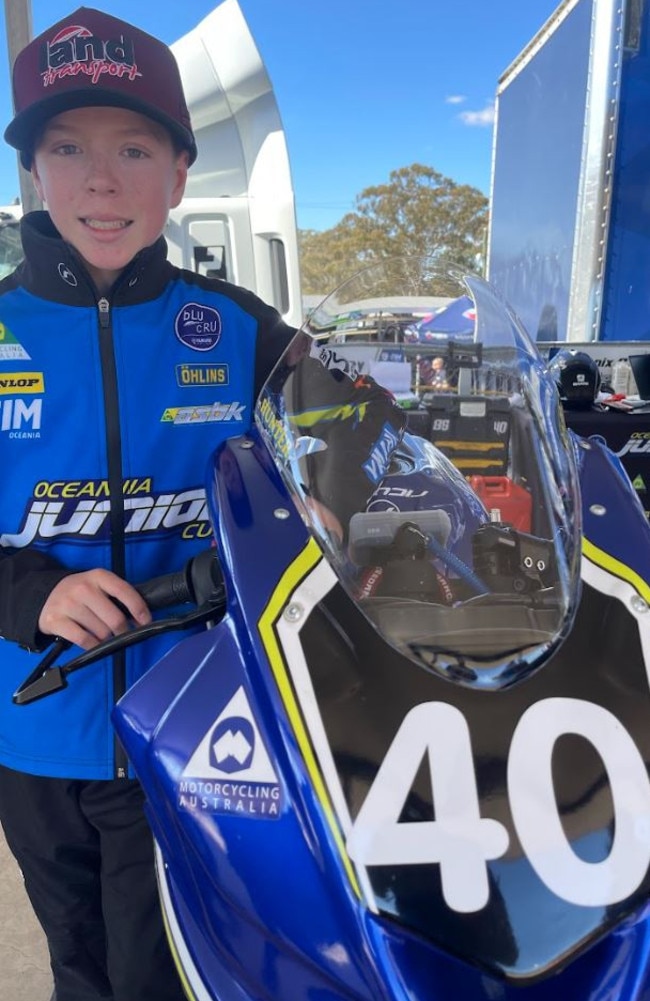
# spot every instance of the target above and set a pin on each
(23, 131)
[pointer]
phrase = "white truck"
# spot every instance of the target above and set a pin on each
(237, 220)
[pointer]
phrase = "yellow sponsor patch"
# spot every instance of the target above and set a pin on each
(21, 383)
(202, 375)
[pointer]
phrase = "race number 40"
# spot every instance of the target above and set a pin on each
(462, 842)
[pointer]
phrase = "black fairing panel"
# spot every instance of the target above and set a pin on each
(525, 930)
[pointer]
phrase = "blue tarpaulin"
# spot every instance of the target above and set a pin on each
(456, 319)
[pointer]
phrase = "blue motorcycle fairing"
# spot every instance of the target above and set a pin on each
(612, 515)
(307, 925)
(245, 913)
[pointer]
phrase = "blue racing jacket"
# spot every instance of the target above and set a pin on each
(109, 410)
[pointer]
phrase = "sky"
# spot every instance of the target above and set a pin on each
(363, 88)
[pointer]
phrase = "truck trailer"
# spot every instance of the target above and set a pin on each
(569, 232)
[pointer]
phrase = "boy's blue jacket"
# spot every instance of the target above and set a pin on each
(109, 410)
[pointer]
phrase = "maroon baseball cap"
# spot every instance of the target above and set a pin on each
(91, 59)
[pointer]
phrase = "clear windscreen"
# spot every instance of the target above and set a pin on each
(422, 441)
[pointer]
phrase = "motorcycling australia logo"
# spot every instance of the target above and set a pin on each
(231, 771)
(10, 348)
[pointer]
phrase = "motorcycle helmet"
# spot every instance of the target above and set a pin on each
(577, 376)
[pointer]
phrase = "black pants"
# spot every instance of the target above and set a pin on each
(86, 854)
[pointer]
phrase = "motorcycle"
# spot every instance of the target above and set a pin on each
(405, 757)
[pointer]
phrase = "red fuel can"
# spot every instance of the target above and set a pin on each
(505, 500)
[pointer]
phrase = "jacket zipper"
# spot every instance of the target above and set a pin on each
(115, 493)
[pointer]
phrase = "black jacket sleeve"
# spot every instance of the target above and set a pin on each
(273, 334)
(273, 339)
(27, 577)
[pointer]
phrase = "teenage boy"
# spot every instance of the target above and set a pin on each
(102, 482)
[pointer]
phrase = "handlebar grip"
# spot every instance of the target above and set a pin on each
(170, 589)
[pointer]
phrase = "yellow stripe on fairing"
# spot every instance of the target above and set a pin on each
(180, 969)
(292, 577)
(615, 567)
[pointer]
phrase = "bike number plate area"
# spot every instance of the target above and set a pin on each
(476, 818)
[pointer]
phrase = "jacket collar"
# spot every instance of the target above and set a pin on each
(52, 269)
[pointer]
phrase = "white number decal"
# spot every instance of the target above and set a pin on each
(458, 838)
(462, 842)
(534, 807)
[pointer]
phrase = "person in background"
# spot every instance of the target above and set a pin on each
(104, 440)
(432, 373)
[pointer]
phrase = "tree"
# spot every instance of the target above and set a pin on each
(418, 212)
(329, 257)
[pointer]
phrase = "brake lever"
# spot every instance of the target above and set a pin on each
(45, 678)
(48, 677)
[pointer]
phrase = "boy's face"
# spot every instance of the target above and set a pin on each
(108, 177)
